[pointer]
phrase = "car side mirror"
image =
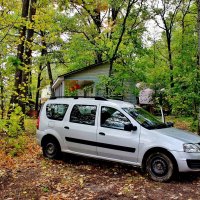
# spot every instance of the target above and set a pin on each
(169, 124)
(130, 127)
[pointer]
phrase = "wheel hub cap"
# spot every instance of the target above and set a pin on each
(50, 148)
(159, 167)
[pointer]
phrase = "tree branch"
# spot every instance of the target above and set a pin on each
(130, 4)
(137, 15)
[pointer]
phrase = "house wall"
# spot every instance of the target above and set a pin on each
(90, 74)
(129, 96)
(59, 91)
(45, 93)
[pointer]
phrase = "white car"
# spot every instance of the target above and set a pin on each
(117, 131)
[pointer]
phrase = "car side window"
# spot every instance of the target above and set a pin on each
(83, 114)
(56, 111)
(112, 118)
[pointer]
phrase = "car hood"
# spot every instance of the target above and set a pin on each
(179, 134)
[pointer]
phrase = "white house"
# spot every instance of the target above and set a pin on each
(83, 82)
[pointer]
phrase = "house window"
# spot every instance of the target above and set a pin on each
(56, 111)
(83, 114)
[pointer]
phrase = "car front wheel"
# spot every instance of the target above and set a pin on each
(160, 167)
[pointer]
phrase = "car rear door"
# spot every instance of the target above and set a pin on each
(80, 129)
(113, 141)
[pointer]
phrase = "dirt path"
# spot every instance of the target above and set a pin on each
(31, 176)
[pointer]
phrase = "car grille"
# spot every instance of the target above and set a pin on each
(193, 164)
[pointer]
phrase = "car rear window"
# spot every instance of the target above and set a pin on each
(56, 111)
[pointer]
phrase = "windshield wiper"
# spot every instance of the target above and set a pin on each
(161, 126)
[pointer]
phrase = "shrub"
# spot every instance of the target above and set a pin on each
(14, 123)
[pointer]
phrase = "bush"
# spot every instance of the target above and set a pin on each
(15, 146)
(14, 141)
(3, 123)
(14, 123)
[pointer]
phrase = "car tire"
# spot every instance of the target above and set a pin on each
(51, 149)
(160, 167)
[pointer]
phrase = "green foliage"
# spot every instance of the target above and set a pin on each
(3, 123)
(120, 83)
(30, 126)
(75, 34)
(15, 146)
(45, 189)
(183, 97)
(14, 124)
(13, 61)
(71, 93)
(79, 52)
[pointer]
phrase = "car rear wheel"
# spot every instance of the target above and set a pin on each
(160, 167)
(51, 149)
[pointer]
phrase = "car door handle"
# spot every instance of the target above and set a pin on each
(101, 133)
(66, 127)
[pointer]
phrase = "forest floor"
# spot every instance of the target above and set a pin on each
(31, 176)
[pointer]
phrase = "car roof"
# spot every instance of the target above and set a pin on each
(81, 100)
(120, 103)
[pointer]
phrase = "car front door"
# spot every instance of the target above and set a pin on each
(113, 140)
(80, 129)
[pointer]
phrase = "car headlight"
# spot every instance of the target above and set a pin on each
(191, 148)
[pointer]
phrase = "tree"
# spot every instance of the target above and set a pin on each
(24, 54)
(167, 14)
(198, 64)
(108, 27)
(19, 93)
(1, 94)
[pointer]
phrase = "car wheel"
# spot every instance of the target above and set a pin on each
(159, 167)
(51, 149)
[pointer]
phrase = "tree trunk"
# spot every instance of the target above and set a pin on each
(48, 63)
(171, 67)
(99, 57)
(50, 78)
(19, 92)
(1, 95)
(97, 20)
(38, 88)
(114, 56)
(20, 51)
(28, 51)
(198, 66)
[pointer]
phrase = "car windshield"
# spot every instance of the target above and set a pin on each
(144, 118)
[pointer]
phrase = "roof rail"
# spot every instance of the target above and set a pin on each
(77, 97)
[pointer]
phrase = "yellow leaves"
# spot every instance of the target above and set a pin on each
(2, 173)
(29, 25)
(102, 5)
(6, 161)
(81, 181)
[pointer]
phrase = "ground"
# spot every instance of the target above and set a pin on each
(31, 176)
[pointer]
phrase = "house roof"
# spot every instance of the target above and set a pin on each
(61, 77)
(82, 69)
(57, 82)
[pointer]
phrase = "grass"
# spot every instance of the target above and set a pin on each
(182, 122)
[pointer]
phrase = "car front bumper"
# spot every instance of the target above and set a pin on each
(187, 162)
